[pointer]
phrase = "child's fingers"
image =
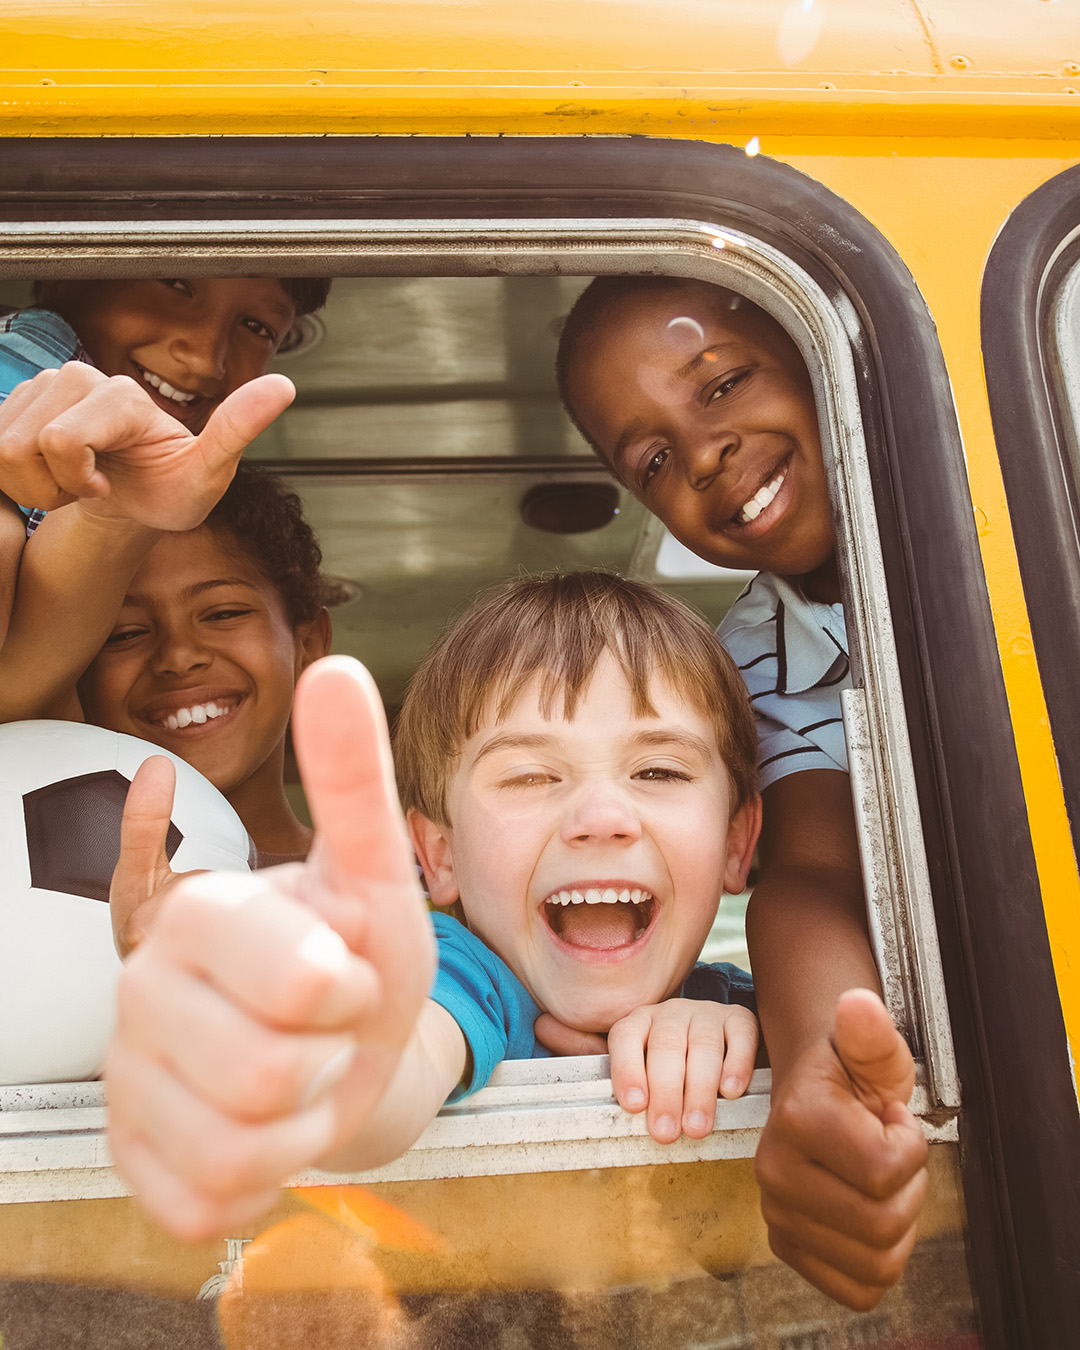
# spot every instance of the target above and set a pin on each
(741, 1043)
(362, 877)
(218, 1157)
(38, 474)
(241, 417)
(721, 1045)
(343, 748)
(174, 1205)
(143, 865)
(271, 955)
(626, 1046)
(872, 1051)
(665, 1065)
(236, 1063)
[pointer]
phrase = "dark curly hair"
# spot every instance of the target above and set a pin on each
(307, 293)
(265, 519)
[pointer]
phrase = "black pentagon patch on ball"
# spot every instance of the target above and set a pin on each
(73, 833)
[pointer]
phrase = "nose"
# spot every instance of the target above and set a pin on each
(201, 347)
(178, 651)
(704, 453)
(601, 813)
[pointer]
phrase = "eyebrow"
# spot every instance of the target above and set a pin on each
(190, 592)
(687, 740)
(634, 429)
(661, 736)
(695, 363)
(507, 740)
(285, 312)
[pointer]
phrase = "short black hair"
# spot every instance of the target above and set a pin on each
(265, 519)
(307, 293)
(597, 297)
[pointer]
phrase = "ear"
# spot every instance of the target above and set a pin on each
(742, 836)
(434, 848)
(313, 640)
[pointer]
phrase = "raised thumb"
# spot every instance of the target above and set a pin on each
(242, 416)
(871, 1049)
(143, 865)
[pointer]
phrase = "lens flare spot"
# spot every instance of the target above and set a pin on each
(694, 327)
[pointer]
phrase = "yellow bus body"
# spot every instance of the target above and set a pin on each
(932, 118)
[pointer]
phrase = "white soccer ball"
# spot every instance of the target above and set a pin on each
(62, 791)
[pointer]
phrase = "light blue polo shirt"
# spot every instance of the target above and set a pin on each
(793, 654)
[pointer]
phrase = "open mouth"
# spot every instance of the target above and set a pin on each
(600, 918)
(194, 714)
(764, 497)
(180, 397)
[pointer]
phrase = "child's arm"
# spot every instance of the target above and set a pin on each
(264, 1018)
(673, 1058)
(127, 471)
(841, 1161)
(12, 542)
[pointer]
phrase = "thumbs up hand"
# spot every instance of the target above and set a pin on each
(143, 876)
(842, 1161)
(263, 1017)
(76, 434)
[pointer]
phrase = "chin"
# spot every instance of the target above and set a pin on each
(592, 1015)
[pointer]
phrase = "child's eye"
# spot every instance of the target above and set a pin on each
(261, 330)
(653, 467)
(123, 635)
(530, 778)
(658, 773)
(221, 614)
(727, 385)
(177, 284)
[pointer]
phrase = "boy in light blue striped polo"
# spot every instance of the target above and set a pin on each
(702, 406)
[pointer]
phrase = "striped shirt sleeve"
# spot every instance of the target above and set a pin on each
(800, 726)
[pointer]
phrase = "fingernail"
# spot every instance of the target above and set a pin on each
(732, 1087)
(330, 1075)
(323, 947)
(697, 1120)
(666, 1126)
(635, 1097)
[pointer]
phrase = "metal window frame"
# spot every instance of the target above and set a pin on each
(895, 873)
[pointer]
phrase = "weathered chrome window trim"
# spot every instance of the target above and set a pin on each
(57, 1151)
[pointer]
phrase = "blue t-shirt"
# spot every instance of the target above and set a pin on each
(496, 1012)
(32, 340)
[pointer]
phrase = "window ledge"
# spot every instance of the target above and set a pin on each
(544, 1115)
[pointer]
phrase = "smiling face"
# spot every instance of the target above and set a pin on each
(203, 661)
(591, 854)
(189, 343)
(707, 414)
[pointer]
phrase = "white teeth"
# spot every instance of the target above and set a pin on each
(156, 382)
(595, 896)
(760, 500)
(198, 714)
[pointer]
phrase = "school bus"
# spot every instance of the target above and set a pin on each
(898, 183)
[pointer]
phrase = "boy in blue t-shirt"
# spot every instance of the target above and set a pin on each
(702, 406)
(576, 759)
